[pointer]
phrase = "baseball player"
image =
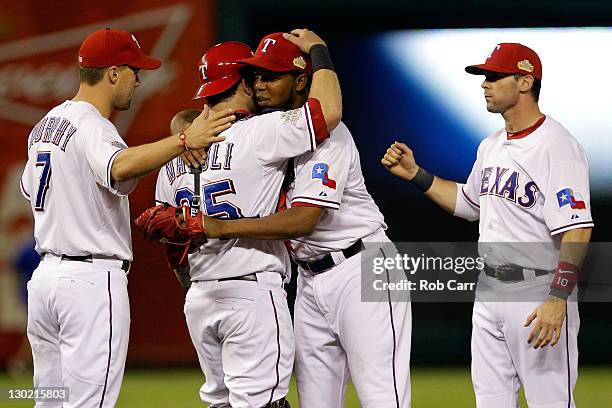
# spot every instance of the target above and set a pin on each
(77, 178)
(331, 216)
(529, 186)
(236, 308)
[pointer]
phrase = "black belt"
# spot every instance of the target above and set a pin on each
(323, 264)
(511, 273)
(250, 277)
(89, 258)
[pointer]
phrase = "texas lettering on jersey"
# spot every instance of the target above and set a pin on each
(504, 183)
(529, 189)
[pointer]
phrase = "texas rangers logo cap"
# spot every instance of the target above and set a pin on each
(274, 53)
(510, 58)
(107, 47)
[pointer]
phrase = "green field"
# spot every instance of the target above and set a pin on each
(431, 388)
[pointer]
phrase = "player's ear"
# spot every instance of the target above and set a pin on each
(246, 86)
(301, 81)
(525, 83)
(113, 74)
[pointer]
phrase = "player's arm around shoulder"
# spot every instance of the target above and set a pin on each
(135, 162)
(325, 87)
(278, 136)
(291, 223)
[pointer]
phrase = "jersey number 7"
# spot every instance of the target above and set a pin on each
(43, 159)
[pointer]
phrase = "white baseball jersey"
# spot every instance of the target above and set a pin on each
(331, 178)
(78, 209)
(528, 188)
(331, 346)
(242, 178)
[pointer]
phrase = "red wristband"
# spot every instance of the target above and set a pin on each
(565, 280)
(183, 139)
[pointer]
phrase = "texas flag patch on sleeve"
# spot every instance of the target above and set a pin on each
(568, 196)
(321, 171)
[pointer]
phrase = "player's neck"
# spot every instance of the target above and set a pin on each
(96, 98)
(231, 104)
(298, 101)
(521, 117)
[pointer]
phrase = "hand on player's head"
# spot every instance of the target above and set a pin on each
(205, 129)
(303, 38)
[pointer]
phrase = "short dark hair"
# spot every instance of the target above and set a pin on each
(223, 96)
(535, 88)
(91, 75)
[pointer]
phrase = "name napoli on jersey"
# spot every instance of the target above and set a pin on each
(503, 183)
(219, 157)
(52, 129)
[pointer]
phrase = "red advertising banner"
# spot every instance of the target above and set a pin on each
(39, 44)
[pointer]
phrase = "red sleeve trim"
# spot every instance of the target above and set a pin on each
(317, 202)
(316, 121)
(301, 204)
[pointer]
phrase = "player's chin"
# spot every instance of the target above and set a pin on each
(493, 108)
(123, 105)
(263, 104)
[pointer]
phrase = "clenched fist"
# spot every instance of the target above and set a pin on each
(399, 160)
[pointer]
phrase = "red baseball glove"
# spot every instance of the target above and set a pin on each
(174, 226)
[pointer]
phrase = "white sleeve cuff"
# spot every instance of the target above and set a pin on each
(118, 188)
(317, 202)
(465, 207)
(568, 227)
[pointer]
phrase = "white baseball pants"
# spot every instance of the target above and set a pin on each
(339, 337)
(243, 335)
(503, 361)
(78, 327)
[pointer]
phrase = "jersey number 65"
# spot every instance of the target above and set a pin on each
(211, 204)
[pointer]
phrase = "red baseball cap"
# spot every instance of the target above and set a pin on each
(107, 47)
(274, 53)
(219, 68)
(510, 58)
